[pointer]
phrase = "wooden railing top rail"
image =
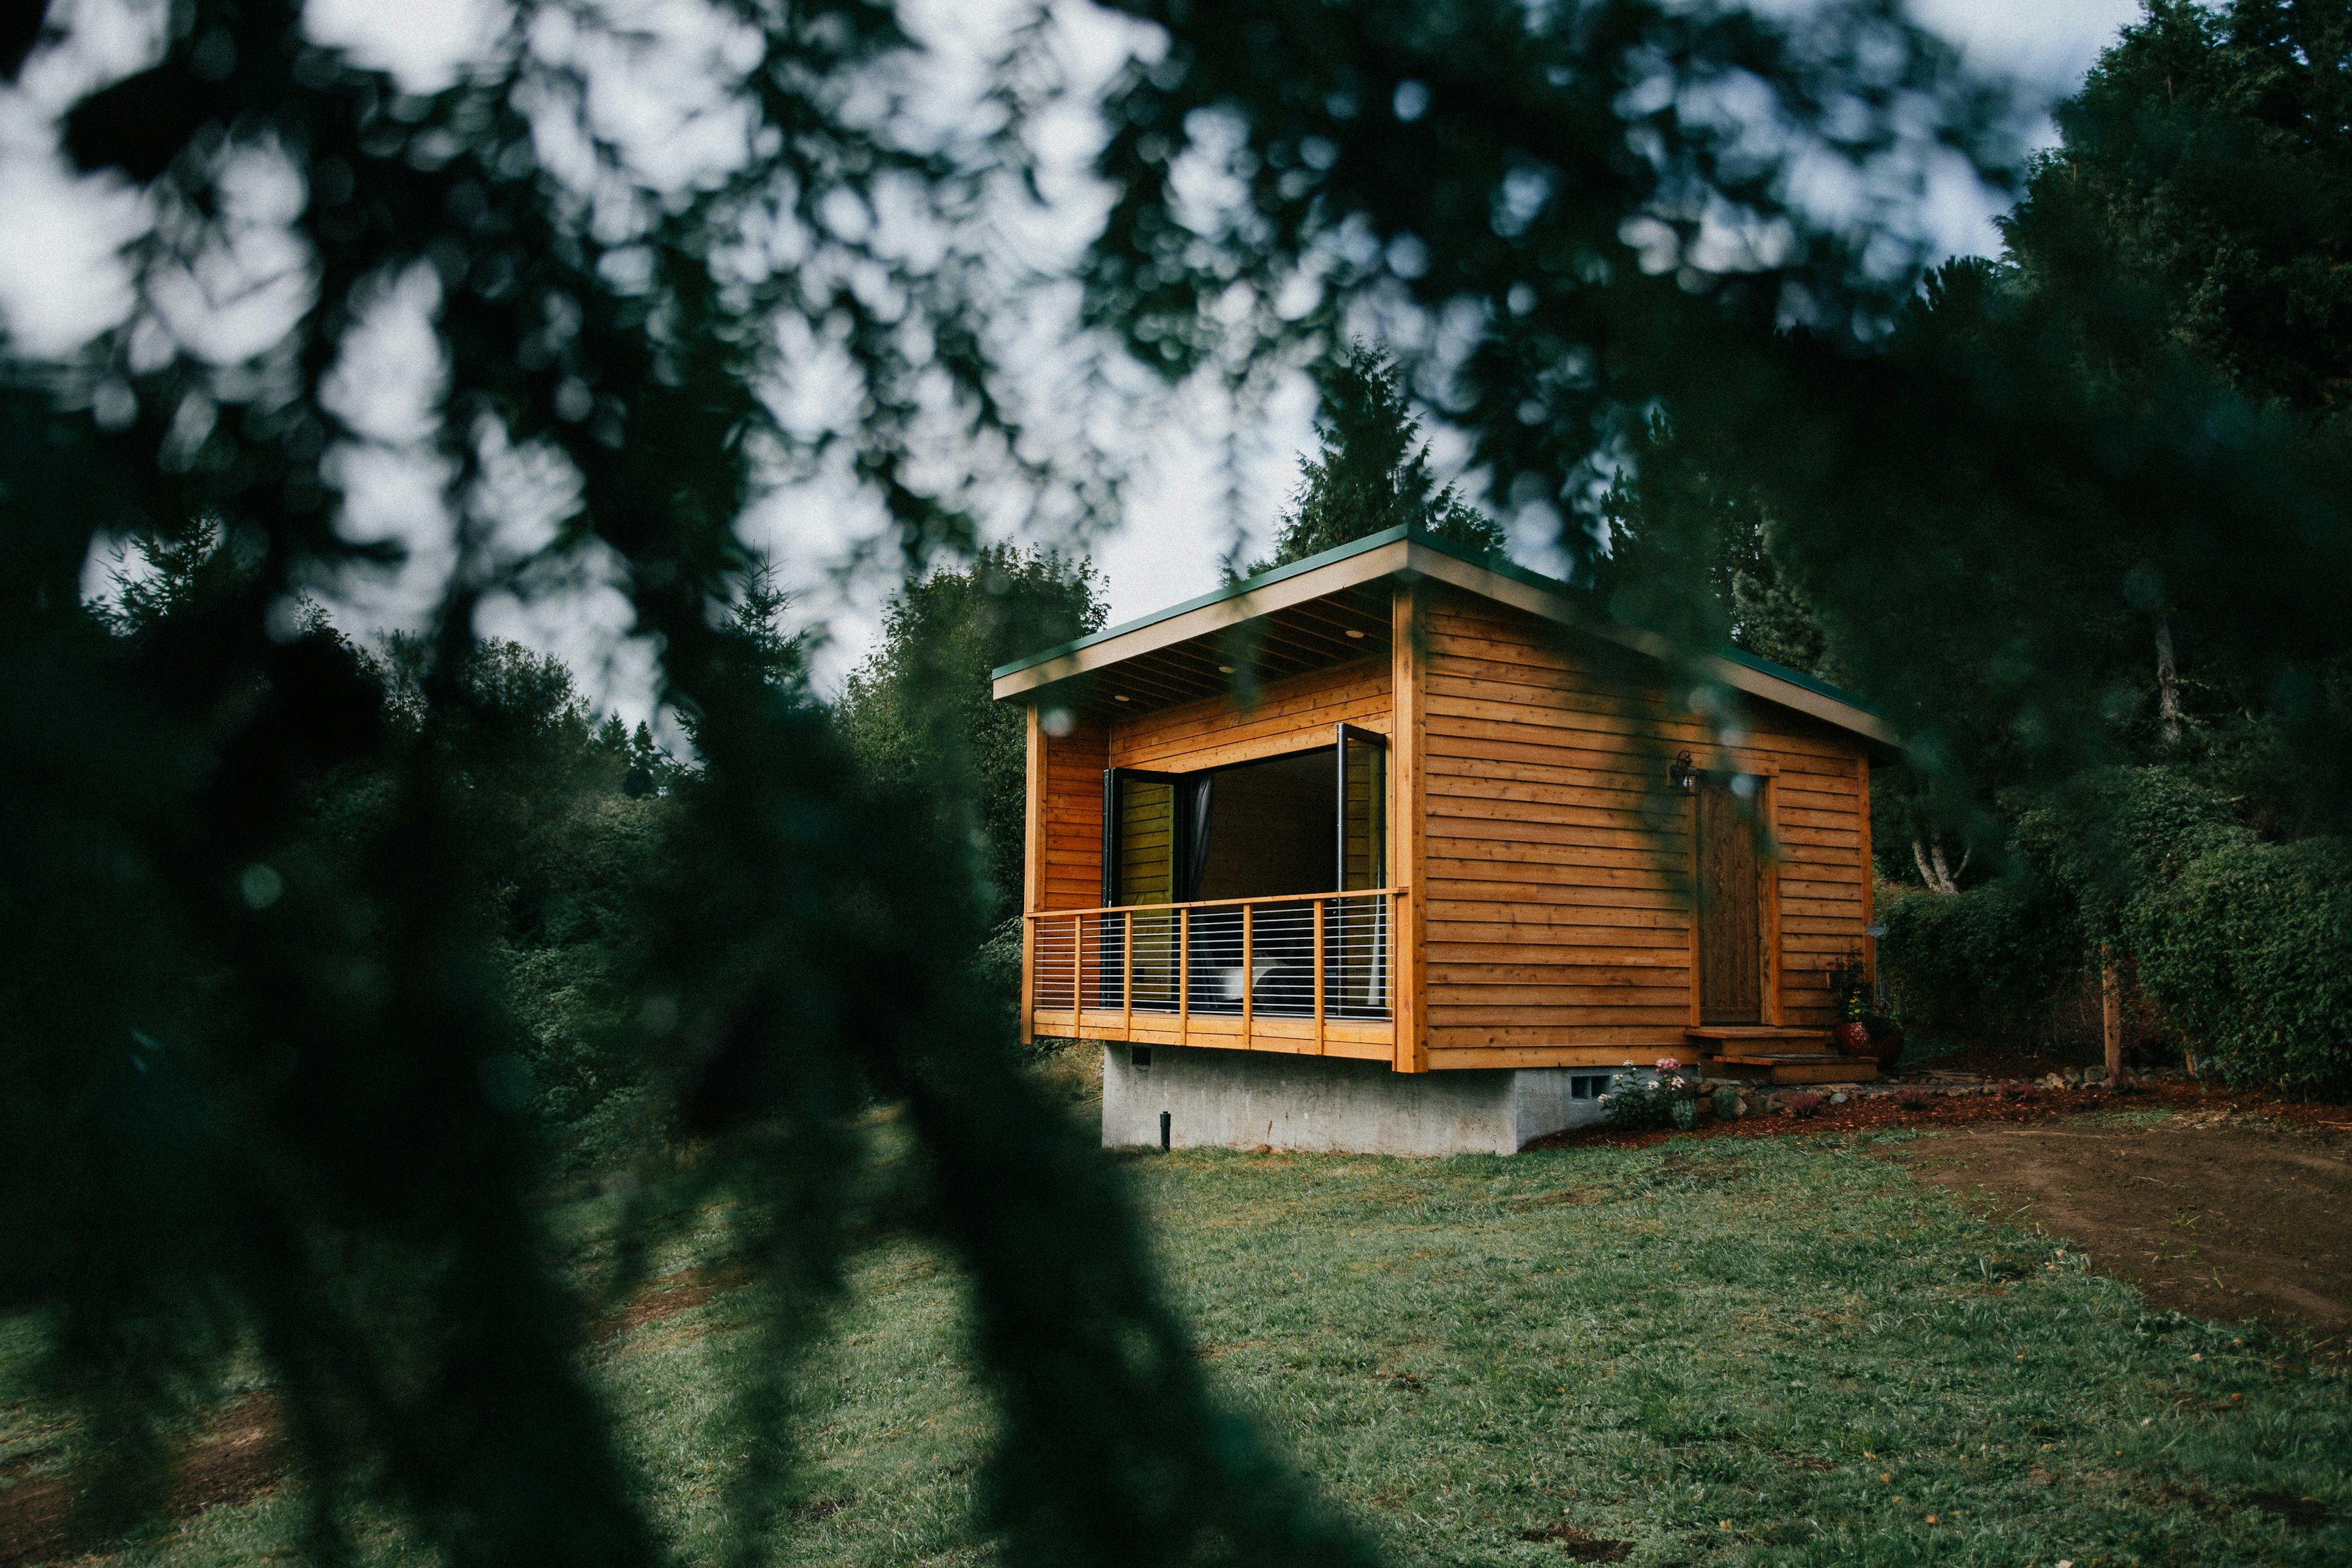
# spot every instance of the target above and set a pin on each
(1211, 903)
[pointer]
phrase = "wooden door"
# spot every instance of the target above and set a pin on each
(1730, 939)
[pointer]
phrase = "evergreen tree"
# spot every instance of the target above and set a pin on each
(1370, 474)
(919, 714)
(1670, 524)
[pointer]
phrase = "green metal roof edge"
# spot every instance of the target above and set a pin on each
(1799, 678)
(1502, 566)
(1231, 591)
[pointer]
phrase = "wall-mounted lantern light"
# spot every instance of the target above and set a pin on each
(1682, 774)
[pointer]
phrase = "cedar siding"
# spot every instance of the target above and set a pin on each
(1072, 815)
(1290, 715)
(1542, 863)
(1558, 929)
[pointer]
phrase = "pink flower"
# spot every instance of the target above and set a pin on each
(1667, 1064)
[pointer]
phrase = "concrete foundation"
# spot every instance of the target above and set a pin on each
(1256, 1099)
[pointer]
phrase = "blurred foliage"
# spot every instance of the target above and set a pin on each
(1985, 964)
(263, 1074)
(267, 1089)
(1671, 524)
(919, 714)
(1370, 474)
(2078, 642)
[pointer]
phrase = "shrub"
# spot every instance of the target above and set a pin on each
(2248, 953)
(1803, 1104)
(1984, 963)
(1727, 1103)
(1638, 1101)
(1913, 1099)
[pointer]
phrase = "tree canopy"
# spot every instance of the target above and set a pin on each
(261, 1096)
(1370, 474)
(920, 713)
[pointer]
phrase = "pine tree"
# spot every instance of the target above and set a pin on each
(920, 713)
(1370, 474)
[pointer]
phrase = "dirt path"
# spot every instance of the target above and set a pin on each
(2226, 1223)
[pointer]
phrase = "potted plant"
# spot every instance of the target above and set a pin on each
(1850, 990)
(1862, 1030)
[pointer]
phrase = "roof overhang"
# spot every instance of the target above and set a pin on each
(1415, 556)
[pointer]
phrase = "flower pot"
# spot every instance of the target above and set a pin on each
(1887, 1046)
(1854, 1037)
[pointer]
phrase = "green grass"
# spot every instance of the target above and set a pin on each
(1712, 1351)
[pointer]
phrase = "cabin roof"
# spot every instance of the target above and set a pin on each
(1326, 608)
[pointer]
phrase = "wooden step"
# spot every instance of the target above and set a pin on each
(1776, 1038)
(1791, 1066)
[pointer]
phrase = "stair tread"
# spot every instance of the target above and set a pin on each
(1797, 1058)
(1753, 1032)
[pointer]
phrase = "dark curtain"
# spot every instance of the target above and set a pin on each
(1196, 840)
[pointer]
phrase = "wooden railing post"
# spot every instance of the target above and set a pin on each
(1248, 970)
(1184, 975)
(1028, 978)
(1392, 917)
(1317, 906)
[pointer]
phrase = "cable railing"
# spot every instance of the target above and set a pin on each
(1321, 957)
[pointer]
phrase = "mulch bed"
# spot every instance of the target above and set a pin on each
(1875, 1111)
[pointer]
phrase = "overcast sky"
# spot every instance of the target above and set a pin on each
(1194, 485)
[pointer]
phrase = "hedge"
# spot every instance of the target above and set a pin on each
(2247, 953)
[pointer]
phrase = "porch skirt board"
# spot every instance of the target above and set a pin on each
(1249, 1100)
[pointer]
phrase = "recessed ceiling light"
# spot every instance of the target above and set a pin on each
(1118, 696)
(1354, 633)
(1224, 670)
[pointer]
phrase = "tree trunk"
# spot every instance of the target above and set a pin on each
(1937, 873)
(2111, 1014)
(2168, 684)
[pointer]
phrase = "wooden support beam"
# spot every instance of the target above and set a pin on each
(1033, 866)
(2111, 1013)
(1408, 829)
(1869, 874)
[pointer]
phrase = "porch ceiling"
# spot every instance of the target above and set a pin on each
(1293, 640)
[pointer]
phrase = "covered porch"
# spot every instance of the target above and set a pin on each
(1306, 973)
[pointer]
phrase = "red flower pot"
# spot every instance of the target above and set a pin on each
(1853, 1037)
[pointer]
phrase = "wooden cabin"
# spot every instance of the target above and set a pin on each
(1406, 806)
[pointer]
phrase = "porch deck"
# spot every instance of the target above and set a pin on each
(1309, 974)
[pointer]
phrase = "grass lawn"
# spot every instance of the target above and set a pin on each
(1768, 1351)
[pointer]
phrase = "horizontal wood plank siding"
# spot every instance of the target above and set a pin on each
(1073, 816)
(1554, 866)
(1290, 715)
(1557, 862)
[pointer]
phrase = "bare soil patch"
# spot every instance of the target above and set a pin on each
(242, 1450)
(1578, 1545)
(667, 1297)
(1880, 1108)
(235, 1457)
(2206, 1215)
